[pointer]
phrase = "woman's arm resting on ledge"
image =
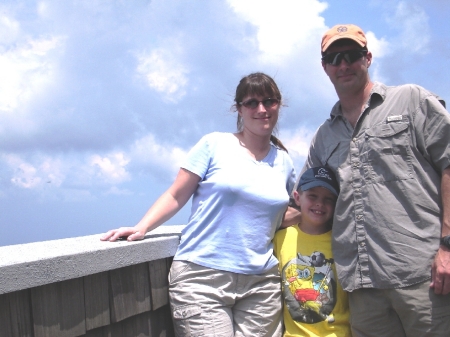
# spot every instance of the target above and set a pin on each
(168, 204)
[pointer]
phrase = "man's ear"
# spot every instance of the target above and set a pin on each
(369, 59)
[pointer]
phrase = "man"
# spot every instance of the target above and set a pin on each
(390, 149)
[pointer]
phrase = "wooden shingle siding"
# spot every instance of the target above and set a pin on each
(161, 323)
(148, 324)
(15, 315)
(96, 300)
(125, 302)
(5, 317)
(20, 309)
(159, 284)
(129, 292)
(58, 309)
(138, 326)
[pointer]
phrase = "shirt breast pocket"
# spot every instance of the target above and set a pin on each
(387, 153)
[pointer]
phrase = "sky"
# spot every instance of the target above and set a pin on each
(100, 101)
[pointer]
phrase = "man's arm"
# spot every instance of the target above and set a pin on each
(440, 271)
(291, 217)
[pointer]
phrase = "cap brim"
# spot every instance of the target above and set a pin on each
(318, 183)
(340, 37)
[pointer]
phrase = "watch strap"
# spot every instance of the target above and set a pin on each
(445, 241)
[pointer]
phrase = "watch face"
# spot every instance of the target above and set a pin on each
(445, 241)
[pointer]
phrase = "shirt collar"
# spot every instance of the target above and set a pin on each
(378, 89)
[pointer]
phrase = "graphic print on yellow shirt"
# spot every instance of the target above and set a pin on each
(309, 288)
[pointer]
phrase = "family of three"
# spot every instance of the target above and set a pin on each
(364, 250)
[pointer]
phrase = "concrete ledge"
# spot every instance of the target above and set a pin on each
(35, 264)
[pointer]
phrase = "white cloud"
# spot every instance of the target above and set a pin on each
(282, 25)
(412, 20)
(52, 170)
(110, 169)
(297, 142)
(25, 69)
(378, 47)
(9, 29)
(25, 176)
(29, 175)
(40, 172)
(65, 172)
(43, 8)
(163, 73)
(148, 152)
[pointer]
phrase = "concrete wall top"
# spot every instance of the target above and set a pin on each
(38, 263)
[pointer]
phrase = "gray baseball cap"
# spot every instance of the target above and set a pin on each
(319, 176)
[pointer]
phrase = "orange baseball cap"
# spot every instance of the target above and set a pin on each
(338, 32)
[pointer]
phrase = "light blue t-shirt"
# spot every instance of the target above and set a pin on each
(237, 207)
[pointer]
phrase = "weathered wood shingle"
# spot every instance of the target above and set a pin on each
(158, 282)
(58, 309)
(20, 308)
(96, 300)
(5, 317)
(129, 291)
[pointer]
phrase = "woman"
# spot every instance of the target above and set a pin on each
(224, 279)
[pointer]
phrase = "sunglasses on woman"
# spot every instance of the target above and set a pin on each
(253, 103)
(350, 56)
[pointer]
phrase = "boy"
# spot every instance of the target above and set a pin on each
(314, 303)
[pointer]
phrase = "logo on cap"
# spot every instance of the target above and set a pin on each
(323, 173)
(342, 29)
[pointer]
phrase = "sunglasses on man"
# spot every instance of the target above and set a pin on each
(253, 103)
(350, 56)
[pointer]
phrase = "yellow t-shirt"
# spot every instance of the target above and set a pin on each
(314, 302)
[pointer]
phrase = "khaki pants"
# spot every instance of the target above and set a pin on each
(413, 311)
(209, 302)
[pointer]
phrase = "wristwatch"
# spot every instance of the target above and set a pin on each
(445, 241)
